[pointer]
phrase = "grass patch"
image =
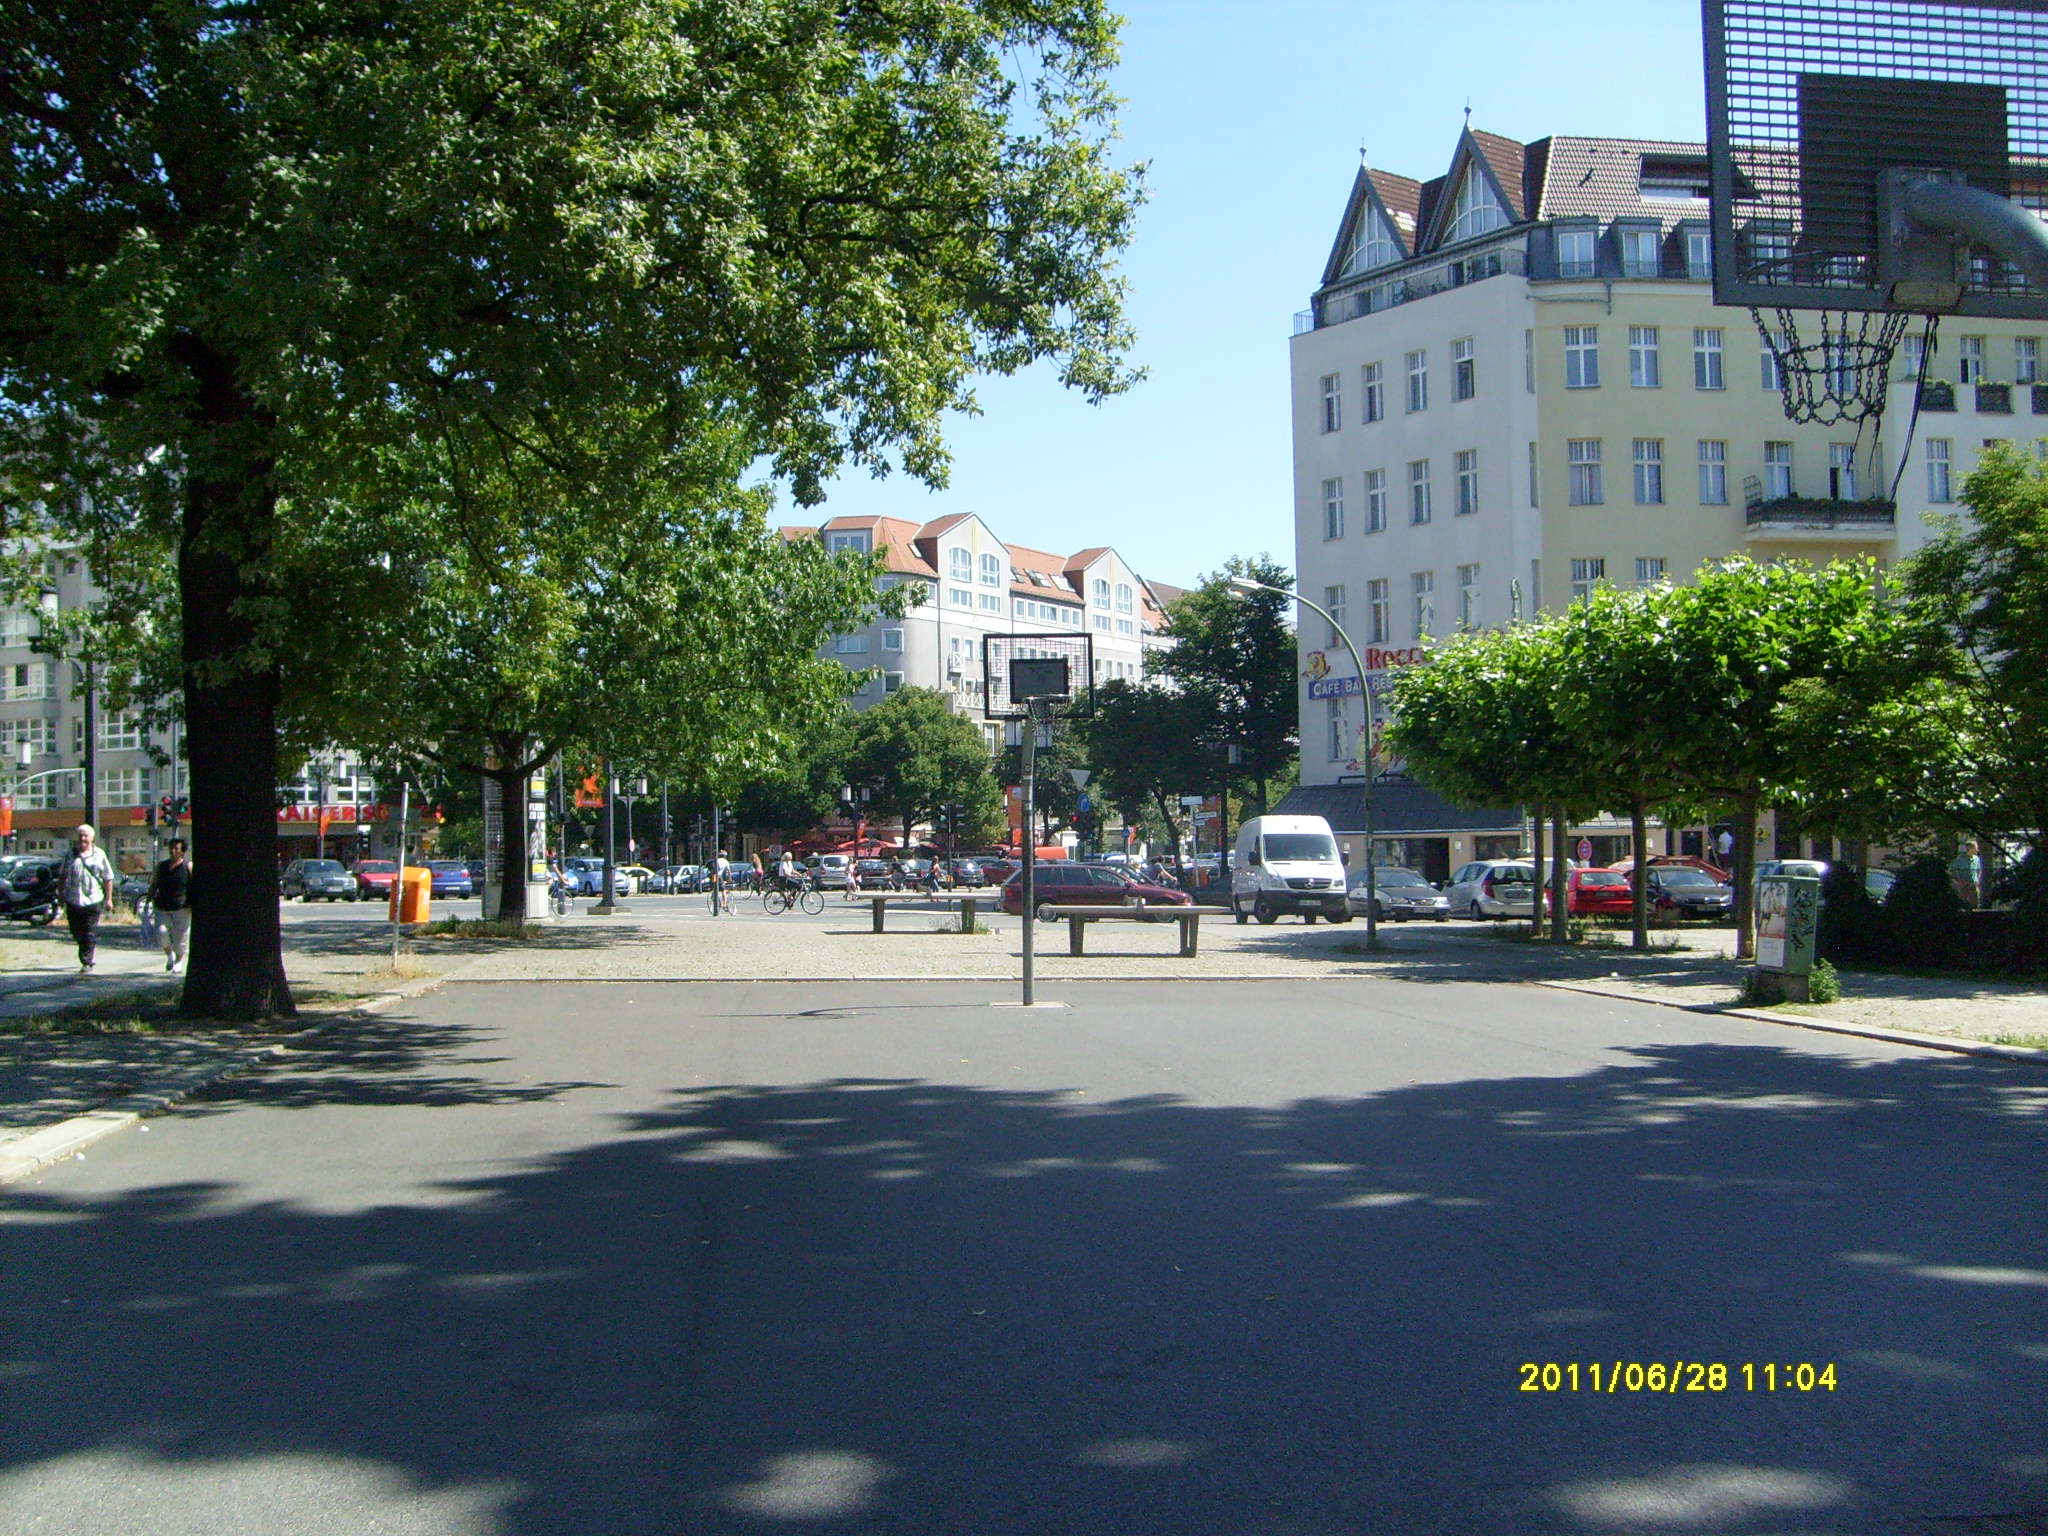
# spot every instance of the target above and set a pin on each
(405, 968)
(2029, 1042)
(472, 928)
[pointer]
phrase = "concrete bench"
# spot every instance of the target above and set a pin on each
(1079, 917)
(966, 904)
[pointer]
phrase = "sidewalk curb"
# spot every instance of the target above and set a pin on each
(36, 1150)
(1950, 1043)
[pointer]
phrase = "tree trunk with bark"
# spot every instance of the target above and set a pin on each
(1744, 875)
(1560, 904)
(231, 698)
(1639, 877)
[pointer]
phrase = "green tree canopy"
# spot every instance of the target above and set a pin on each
(1145, 746)
(916, 755)
(250, 244)
(1233, 656)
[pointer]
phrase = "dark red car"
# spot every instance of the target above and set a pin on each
(1599, 893)
(1072, 885)
(373, 879)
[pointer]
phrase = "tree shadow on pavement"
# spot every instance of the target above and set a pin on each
(896, 1306)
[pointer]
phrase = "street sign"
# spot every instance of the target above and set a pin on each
(1585, 850)
(1081, 802)
(1192, 802)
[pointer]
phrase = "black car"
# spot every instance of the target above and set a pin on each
(968, 872)
(1681, 891)
(317, 880)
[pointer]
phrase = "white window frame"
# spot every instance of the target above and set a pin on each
(1940, 461)
(1585, 487)
(1587, 573)
(1098, 592)
(1379, 611)
(1645, 367)
(1648, 462)
(1467, 467)
(844, 539)
(991, 570)
(1418, 380)
(1375, 501)
(1650, 570)
(2026, 360)
(1969, 359)
(1713, 472)
(1333, 509)
(1773, 376)
(1578, 252)
(1582, 357)
(1421, 507)
(1333, 601)
(1373, 393)
(892, 639)
(1778, 480)
(1333, 402)
(1708, 353)
(124, 732)
(959, 597)
(1642, 252)
(1464, 370)
(1422, 587)
(1842, 471)
(1468, 596)
(850, 645)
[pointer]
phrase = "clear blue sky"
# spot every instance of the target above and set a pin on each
(1251, 116)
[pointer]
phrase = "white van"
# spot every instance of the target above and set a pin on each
(1287, 864)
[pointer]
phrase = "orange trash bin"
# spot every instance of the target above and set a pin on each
(412, 894)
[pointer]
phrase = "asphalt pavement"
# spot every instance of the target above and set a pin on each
(1281, 1259)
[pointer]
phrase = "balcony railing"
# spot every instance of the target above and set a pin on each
(1995, 398)
(1936, 396)
(2040, 401)
(1368, 298)
(1806, 513)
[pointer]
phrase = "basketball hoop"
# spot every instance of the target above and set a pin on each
(1843, 376)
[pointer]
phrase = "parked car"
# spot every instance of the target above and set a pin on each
(476, 872)
(1599, 893)
(1285, 864)
(585, 874)
(317, 880)
(1063, 883)
(1676, 860)
(1877, 883)
(134, 886)
(374, 878)
(1402, 894)
(828, 870)
(1493, 888)
(968, 872)
(996, 871)
(637, 876)
(1682, 891)
(451, 879)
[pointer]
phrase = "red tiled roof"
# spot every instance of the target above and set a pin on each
(1505, 158)
(1402, 198)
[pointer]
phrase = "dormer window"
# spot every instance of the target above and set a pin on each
(1478, 210)
(1642, 249)
(1578, 251)
(1677, 178)
(856, 540)
(1372, 243)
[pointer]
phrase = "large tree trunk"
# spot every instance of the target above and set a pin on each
(1744, 875)
(515, 853)
(237, 964)
(1639, 877)
(1536, 872)
(1560, 899)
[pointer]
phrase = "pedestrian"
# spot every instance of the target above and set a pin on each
(721, 883)
(83, 882)
(170, 893)
(1724, 845)
(1967, 874)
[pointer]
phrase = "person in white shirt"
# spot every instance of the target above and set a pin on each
(721, 883)
(84, 881)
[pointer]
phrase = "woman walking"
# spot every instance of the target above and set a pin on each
(82, 884)
(171, 893)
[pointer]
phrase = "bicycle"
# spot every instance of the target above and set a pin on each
(796, 893)
(558, 898)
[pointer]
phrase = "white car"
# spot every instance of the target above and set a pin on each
(828, 870)
(1493, 888)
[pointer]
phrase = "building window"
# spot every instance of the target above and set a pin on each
(1333, 402)
(122, 733)
(1706, 357)
(1649, 570)
(1333, 712)
(1773, 376)
(1641, 253)
(1333, 601)
(961, 562)
(1418, 381)
(1578, 252)
(851, 645)
(959, 597)
(1643, 369)
(991, 571)
(1649, 471)
(891, 681)
(18, 626)
(992, 602)
(1582, 357)
(1375, 501)
(1699, 253)
(1468, 597)
(1464, 374)
(1126, 627)
(2026, 360)
(1528, 362)
(27, 680)
(1533, 477)
(1102, 621)
(1333, 509)
(1423, 585)
(1468, 480)
(1100, 592)
(892, 639)
(1379, 622)
(1777, 470)
(1938, 453)
(1713, 473)
(124, 786)
(1586, 575)
(1375, 407)
(1124, 596)
(857, 542)
(1969, 359)
(1582, 455)
(1418, 491)
(1842, 471)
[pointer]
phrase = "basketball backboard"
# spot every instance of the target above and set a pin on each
(1056, 669)
(1879, 154)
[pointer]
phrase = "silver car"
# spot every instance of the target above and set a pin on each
(1402, 894)
(1493, 888)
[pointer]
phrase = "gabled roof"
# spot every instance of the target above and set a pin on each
(1395, 197)
(1499, 161)
(1087, 557)
(1601, 179)
(1507, 159)
(895, 538)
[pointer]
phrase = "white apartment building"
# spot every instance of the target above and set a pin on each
(975, 584)
(1513, 384)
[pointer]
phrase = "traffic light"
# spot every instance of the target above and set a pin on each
(180, 809)
(163, 813)
(149, 816)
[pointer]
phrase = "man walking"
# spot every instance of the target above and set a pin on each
(82, 884)
(170, 893)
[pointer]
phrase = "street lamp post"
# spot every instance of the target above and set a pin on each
(1247, 585)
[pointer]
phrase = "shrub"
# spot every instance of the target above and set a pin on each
(1924, 922)
(1824, 985)
(1851, 924)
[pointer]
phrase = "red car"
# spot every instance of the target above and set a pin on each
(1072, 885)
(373, 879)
(1599, 893)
